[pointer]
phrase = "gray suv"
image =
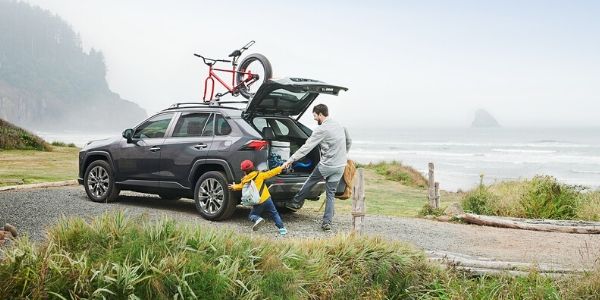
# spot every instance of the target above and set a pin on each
(194, 150)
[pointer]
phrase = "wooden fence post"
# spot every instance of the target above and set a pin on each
(437, 194)
(431, 183)
(358, 201)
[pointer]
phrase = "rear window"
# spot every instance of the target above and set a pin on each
(281, 127)
(284, 99)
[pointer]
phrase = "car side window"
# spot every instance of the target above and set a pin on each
(156, 127)
(280, 128)
(222, 126)
(209, 128)
(259, 123)
(190, 124)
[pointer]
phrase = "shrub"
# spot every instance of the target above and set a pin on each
(589, 206)
(396, 171)
(58, 144)
(548, 199)
(429, 210)
(13, 137)
(480, 201)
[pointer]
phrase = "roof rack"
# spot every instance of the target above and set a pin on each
(204, 104)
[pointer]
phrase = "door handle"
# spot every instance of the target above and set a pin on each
(200, 146)
(155, 149)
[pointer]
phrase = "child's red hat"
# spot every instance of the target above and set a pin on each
(247, 165)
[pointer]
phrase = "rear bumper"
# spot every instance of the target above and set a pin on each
(285, 191)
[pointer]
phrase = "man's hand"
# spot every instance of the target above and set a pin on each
(286, 164)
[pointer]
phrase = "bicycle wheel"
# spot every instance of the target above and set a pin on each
(257, 64)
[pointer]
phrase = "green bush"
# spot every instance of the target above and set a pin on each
(548, 199)
(15, 138)
(429, 210)
(58, 144)
(480, 201)
(396, 171)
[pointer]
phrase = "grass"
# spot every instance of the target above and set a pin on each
(13, 137)
(539, 197)
(391, 198)
(117, 257)
(31, 166)
(63, 144)
(396, 171)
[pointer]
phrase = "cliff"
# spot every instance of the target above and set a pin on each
(47, 80)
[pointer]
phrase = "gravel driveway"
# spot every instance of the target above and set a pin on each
(32, 210)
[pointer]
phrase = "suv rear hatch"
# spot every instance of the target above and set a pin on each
(274, 111)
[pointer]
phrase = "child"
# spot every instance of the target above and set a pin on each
(265, 204)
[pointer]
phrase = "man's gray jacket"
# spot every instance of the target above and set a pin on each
(334, 142)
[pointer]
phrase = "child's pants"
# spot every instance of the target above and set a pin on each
(268, 206)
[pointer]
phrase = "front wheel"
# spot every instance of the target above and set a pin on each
(213, 199)
(99, 182)
(257, 64)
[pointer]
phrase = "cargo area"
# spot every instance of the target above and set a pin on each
(285, 137)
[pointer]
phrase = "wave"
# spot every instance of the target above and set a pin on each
(545, 144)
(524, 151)
(586, 171)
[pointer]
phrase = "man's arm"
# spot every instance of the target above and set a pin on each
(315, 138)
(348, 140)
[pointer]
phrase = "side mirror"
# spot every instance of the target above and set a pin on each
(128, 134)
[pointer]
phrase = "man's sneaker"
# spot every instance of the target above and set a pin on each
(257, 223)
(326, 227)
(282, 231)
(292, 206)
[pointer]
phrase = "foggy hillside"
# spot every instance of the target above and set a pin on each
(47, 80)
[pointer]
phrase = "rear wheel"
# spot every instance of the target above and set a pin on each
(213, 199)
(99, 182)
(257, 64)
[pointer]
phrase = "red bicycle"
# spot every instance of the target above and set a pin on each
(243, 80)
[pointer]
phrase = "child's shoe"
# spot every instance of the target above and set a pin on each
(282, 231)
(257, 223)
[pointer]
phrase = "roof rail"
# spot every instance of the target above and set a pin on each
(203, 104)
(197, 104)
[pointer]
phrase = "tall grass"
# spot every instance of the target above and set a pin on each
(13, 137)
(116, 257)
(540, 197)
(396, 171)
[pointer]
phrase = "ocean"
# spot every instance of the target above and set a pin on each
(460, 155)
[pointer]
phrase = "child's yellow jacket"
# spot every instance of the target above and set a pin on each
(262, 176)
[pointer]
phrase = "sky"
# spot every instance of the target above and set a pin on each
(406, 63)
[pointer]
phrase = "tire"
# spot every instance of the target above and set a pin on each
(169, 196)
(239, 78)
(99, 182)
(213, 199)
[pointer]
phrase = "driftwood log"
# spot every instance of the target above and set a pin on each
(486, 266)
(530, 224)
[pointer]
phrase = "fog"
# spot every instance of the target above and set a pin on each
(406, 63)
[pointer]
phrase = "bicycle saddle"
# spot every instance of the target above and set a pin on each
(235, 53)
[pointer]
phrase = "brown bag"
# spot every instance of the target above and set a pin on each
(347, 182)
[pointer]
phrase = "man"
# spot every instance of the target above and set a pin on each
(334, 141)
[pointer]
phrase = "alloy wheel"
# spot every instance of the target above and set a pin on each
(211, 196)
(98, 181)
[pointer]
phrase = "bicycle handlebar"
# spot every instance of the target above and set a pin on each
(248, 45)
(211, 59)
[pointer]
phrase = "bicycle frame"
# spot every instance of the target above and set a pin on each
(230, 89)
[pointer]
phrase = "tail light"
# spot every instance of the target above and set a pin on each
(255, 145)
